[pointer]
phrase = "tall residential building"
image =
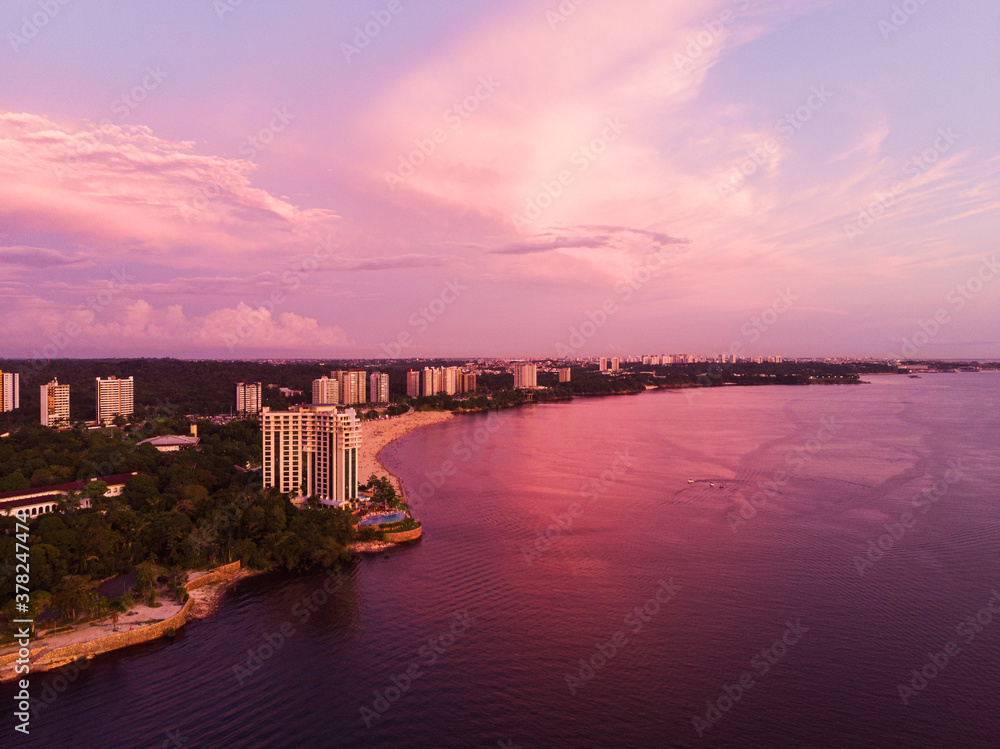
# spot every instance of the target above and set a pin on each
(326, 390)
(602, 364)
(433, 381)
(615, 364)
(525, 375)
(413, 384)
(55, 404)
(10, 391)
(564, 374)
(248, 398)
(312, 450)
(352, 386)
(378, 387)
(114, 398)
(468, 383)
(450, 380)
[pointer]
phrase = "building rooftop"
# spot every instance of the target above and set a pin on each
(73, 486)
(170, 440)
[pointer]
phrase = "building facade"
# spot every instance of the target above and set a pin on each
(468, 383)
(45, 499)
(451, 380)
(433, 380)
(10, 391)
(525, 375)
(312, 450)
(378, 387)
(602, 364)
(114, 397)
(352, 386)
(413, 384)
(564, 374)
(248, 400)
(54, 404)
(326, 390)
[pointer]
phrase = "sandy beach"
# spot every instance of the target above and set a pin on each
(378, 434)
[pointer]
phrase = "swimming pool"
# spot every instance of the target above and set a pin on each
(383, 519)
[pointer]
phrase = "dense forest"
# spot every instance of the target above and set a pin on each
(183, 510)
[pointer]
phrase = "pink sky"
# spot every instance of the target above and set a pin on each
(191, 181)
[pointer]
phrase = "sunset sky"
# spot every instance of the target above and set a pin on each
(312, 179)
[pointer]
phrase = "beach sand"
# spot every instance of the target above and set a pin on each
(378, 434)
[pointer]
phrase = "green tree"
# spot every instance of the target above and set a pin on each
(71, 595)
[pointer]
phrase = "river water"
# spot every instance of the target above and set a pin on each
(574, 588)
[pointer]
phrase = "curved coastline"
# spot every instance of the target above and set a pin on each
(376, 436)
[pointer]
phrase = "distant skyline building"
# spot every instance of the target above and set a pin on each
(413, 384)
(602, 364)
(248, 400)
(564, 374)
(114, 398)
(312, 450)
(10, 391)
(615, 364)
(352, 386)
(451, 380)
(433, 380)
(326, 390)
(525, 375)
(468, 382)
(54, 404)
(378, 387)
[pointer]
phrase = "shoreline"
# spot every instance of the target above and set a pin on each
(100, 636)
(377, 435)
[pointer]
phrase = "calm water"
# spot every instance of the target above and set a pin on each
(480, 623)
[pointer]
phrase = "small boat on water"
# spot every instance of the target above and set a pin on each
(690, 481)
(711, 483)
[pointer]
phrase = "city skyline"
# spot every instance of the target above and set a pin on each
(480, 196)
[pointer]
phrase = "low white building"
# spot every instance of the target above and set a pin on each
(44, 499)
(171, 443)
